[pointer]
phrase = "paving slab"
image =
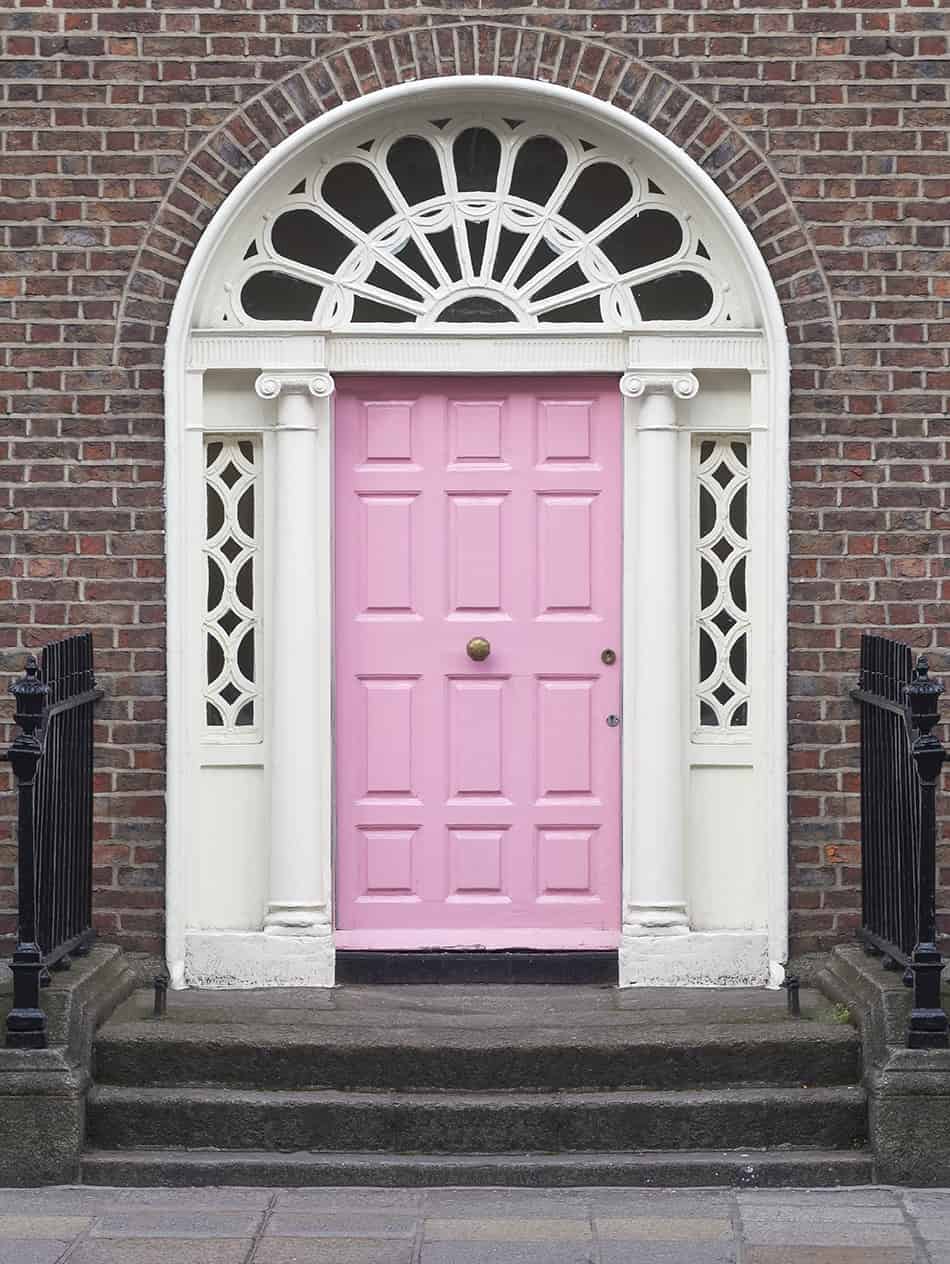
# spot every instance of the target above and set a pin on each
(43, 1226)
(90, 1200)
(932, 1198)
(499, 1229)
(933, 1229)
(662, 1228)
(831, 1255)
(161, 1251)
(150, 1223)
(806, 1232)
(619, 1204)
(31, 1250)
(343, 1224)
(853, 1197)
(533, 1204)
(508, 1253)
(332, 1251)
(668, 1253)
(336, 1199)
(818, 1213)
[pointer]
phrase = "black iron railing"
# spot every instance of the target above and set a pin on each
(901, 759)
(52, 767)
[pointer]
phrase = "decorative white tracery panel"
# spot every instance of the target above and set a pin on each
(721, 647)
(231, 621)
(477, 221)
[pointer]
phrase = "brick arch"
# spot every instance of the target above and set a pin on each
(360, 66)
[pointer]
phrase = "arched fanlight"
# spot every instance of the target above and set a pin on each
(455, 222)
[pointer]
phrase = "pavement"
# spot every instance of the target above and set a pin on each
(90, 1225)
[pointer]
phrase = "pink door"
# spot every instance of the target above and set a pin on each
(478, 802)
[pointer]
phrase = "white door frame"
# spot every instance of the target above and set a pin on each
(660, 371)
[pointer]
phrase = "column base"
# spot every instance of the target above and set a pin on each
(296, 920)
(256, 959)
(655, 919)
(694, 959)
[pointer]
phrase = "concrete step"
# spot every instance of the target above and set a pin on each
(377, 1058)
(485, 1123)
(748, 1168)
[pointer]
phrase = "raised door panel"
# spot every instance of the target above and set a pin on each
(476, 563)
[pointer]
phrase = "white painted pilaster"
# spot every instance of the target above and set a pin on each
(299, 895)
(654, 872)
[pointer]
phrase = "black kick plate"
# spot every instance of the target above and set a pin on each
(354, 966)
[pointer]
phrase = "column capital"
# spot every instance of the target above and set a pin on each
(274, 382)
(678, 382)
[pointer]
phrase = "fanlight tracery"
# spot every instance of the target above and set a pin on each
(488, 221)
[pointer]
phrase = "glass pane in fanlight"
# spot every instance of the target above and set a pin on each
(352, 189)
(477, 157)
(539, 165)
(679, 296)
(474, 309)
(414, 166)
(276, 296)
(643, 239)
(598, 192)
(309, 239)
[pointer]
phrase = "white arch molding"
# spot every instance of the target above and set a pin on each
(676, 379)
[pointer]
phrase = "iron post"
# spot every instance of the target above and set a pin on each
(793, 997)
(928, 1021)
(26, 1022)
(160, 983)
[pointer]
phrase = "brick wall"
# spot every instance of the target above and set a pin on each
(125, 124)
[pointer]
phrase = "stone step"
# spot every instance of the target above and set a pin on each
(418, 1058)
(427, 1123)
(744, 1168)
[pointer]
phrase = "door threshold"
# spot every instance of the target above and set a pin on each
(484, 966)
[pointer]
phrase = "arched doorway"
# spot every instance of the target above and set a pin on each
(529, 309)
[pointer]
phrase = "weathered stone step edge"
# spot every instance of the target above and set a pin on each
(424, 1123)
(126, 1095)
(129, 1055)
(744, 1168)
(635, 1035)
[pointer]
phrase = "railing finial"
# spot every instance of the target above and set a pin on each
(30, 694)
(923, 697)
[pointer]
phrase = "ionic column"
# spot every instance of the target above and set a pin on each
(655, 876)
(299, 895)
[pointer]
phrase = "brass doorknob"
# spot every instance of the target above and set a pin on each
(478, 649)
